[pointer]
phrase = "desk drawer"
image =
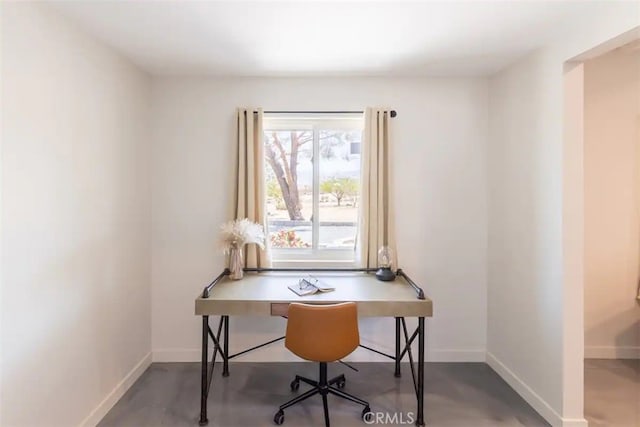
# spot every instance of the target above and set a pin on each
(279, 308)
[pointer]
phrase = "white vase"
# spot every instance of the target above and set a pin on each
(236, 263)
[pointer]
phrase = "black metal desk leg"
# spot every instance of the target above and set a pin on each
(397, 371)
(421, 333)
(225, 347)
(203, 384)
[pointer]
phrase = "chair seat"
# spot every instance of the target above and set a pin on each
(322, 333)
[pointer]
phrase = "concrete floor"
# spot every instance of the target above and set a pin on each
(612, 392)
(456, 395)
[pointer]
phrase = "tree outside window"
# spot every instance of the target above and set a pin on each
(312, 204)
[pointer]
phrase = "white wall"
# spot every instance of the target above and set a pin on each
(535, 321)
(75, 221)
(439, 149)
(612, 221)
(525, 199)
(1, 233)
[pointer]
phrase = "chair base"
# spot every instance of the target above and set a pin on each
(322, 387)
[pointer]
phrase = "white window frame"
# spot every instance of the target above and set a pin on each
(314, 257)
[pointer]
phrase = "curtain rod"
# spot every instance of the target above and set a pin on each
(393, 112)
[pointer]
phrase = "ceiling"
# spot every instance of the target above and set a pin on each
(266, 38)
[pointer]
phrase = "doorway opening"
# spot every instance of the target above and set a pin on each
(611, 167)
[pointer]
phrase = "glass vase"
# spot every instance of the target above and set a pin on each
(236, 263)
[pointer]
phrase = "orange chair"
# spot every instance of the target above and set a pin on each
(322, 333)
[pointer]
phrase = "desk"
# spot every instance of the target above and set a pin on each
(264, 292)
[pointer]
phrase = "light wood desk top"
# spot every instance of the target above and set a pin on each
(267, 294)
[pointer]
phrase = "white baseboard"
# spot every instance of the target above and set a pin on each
(194, 355)
(611, 352)
(119, 390)
(531, 397)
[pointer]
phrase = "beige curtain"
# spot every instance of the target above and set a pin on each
(376, 209)
(249, 192)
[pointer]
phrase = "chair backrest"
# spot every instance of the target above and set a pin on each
(322, 333)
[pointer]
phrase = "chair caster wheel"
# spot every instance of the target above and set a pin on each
(295, 385)
(341, 383)
(279, 418)
(366, 414)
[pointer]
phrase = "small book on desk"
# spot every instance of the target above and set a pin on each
(310, 285)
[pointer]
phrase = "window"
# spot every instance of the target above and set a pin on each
(312, 206)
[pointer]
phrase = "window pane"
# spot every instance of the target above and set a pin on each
(289, 176)
(339, 188)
